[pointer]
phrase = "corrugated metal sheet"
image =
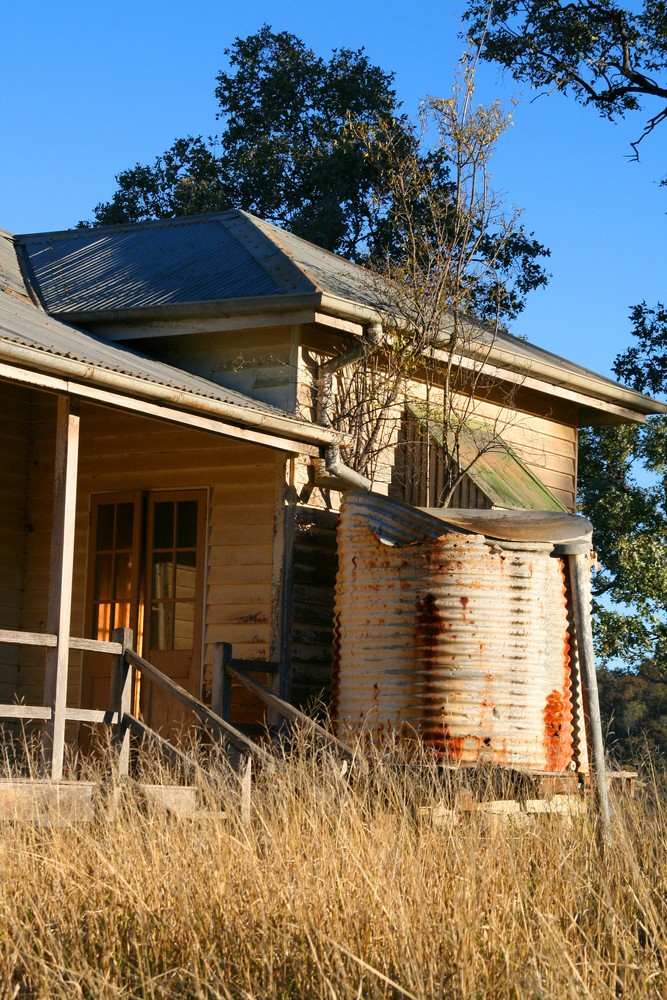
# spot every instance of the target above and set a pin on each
(199, 259)
(11, 279)
(328, 272)
(453, 637)
(492, 464)
(226, 256)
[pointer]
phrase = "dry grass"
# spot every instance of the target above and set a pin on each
(336, 888)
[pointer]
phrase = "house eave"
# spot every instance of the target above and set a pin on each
(544, 373)
(28, 366)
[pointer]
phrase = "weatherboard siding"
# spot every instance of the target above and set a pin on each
(124, 453)
(261, 363)
(542, 432)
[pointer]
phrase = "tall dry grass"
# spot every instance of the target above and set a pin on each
(338, 887)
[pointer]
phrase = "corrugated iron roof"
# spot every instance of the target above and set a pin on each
(196, 259)
(11, 279)
(232, 261)
(328, 272)
(22, 323)
(184, 260)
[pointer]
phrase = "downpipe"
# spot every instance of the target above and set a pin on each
(334, 468)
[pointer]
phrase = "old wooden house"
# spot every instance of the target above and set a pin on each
(166, 468)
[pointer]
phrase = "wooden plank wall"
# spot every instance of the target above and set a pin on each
(542, 429)
(261, 363)
(15, 404)
(123, 452)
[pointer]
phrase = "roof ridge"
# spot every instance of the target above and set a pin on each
(176, 220)
(306, 243)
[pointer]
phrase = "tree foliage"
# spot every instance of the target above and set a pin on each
(634, 713)
(623, 489)
(285, 142)
(630, 519)
(606, 55)
(321, 148)
(292, 149)
(285, 151)
(448, 259)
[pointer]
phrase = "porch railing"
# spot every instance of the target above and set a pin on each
(215, 718)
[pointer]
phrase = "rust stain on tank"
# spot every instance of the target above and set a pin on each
(430, 624)
(452, 638)
(451, 747)
(557, 729)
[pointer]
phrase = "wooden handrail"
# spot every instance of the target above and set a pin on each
(168, 749)
(45, 639)
(290, 712)
(202, 711)
(92, 715)
(18, 711)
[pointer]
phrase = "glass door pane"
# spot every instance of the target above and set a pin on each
(115, 565)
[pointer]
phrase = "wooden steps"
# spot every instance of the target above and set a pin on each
(61, 803)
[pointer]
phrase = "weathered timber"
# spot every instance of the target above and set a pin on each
(166, 748)
(121, 698)
(60, 586)
(28, 638)
(12, 711)
(202, 711)
(49, 641)
(580, 588)
(95, 645)
(47, 803)
(292, 713)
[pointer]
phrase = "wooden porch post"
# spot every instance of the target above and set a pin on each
(121, 698)
(60, 581)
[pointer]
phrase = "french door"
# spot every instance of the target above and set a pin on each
(146, 572)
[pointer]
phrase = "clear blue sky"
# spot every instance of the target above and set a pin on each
(90, 88)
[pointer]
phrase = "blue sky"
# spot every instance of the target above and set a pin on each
(90, 88)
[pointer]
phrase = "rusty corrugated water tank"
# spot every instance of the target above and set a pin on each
(452, 636)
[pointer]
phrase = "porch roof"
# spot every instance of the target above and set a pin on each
(47, 353)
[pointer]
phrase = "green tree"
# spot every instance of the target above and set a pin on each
(605, 55)
(634, 712)
(292, 150)
(623, 489)
(612, 58)
(451, 255)
(285, 151)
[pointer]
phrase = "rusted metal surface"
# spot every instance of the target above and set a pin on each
(448, 635)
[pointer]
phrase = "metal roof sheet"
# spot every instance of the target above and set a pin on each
(23, 323)
(11, 279)
(156, 264)
(493, 465)
(329, 273)
(208, 258)
(226, 257)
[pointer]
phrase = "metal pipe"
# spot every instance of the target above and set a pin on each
(332, 462)
(334, 467)
(178, 398)
(582, 618)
